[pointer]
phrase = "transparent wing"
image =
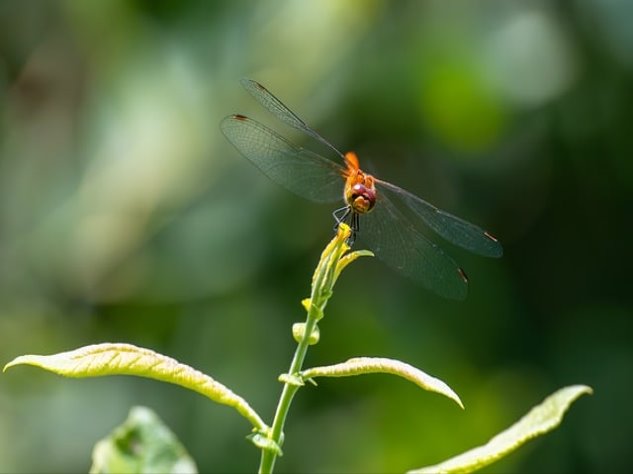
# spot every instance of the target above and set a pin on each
(393, 239)
(299, 170)
(455, 230)
(283, 113)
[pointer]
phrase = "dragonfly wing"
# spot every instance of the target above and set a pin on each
(299, 170)
(393, 239)
(452, 228)
(283, 113)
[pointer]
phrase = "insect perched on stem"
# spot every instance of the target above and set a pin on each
(386, 217)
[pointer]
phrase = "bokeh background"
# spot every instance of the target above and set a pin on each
(126, 217)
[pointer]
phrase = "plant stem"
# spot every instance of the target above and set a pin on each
(268, 458)
(325, 275)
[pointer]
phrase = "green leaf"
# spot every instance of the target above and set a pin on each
(373, 365)
(125, 359)
(265, 443)
(142, 444)
(541, 419)
(349, 258)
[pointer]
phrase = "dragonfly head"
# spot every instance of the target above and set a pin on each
(361, 198)
(360, 192)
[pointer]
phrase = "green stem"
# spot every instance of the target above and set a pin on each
(323, 280)
(268, 458)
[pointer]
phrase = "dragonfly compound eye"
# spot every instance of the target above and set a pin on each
(361, 198)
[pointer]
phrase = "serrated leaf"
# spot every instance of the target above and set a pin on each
(141, 444)
(373, 365)
(125, 359)
(541, 419)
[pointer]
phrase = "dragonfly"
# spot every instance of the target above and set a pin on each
(388, 219)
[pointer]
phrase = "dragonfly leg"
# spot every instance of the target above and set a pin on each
(340, 215)
(347, 214)
(355, 226)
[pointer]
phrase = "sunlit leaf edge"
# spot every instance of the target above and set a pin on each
(104, 359)
(539, 420)
(373, 365)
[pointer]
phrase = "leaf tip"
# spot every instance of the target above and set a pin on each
(443, 389)
(17, 361)
(576, 391)
(459, 402)
(586, 389)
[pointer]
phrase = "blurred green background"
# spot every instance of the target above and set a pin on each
(126, 217)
